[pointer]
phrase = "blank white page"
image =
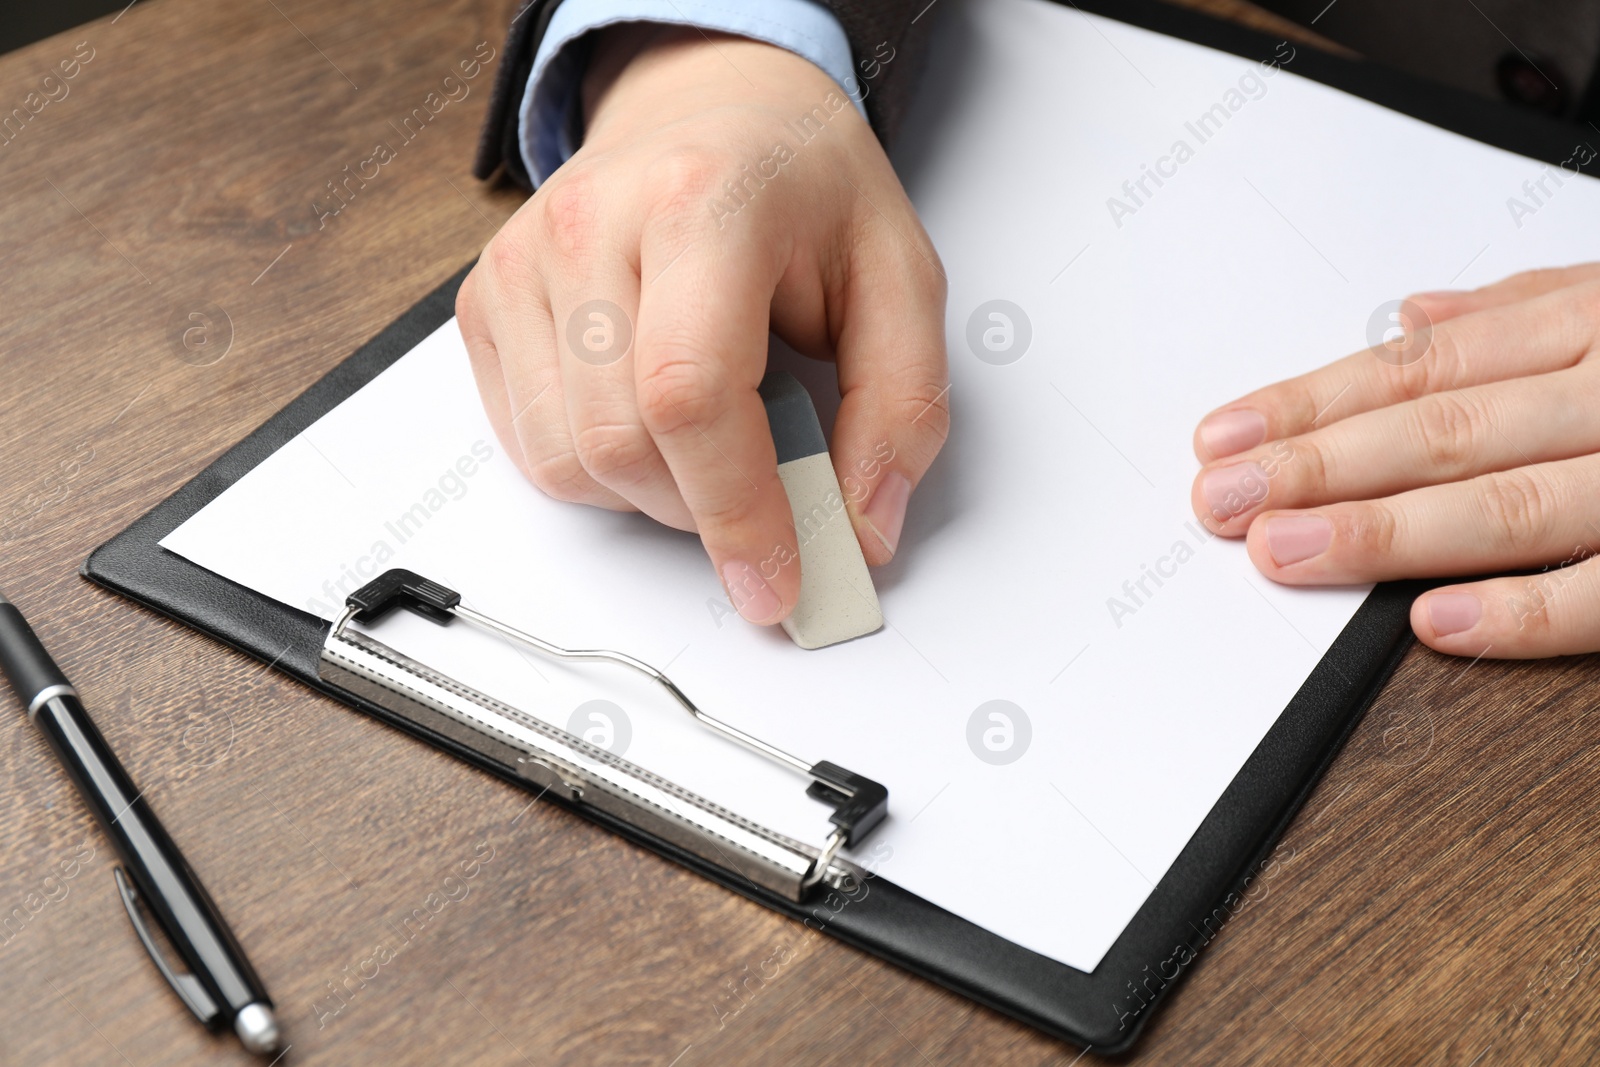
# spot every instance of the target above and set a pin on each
(1263, 254)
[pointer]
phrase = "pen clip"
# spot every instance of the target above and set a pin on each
(187, 986)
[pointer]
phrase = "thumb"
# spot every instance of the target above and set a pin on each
(894, 411)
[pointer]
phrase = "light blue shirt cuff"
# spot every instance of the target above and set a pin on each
(545, 130)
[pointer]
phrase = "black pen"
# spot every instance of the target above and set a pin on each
(221, 986)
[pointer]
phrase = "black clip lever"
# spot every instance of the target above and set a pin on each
(859, 804)
(398, 588)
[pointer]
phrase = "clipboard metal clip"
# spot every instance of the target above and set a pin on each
(582, 772)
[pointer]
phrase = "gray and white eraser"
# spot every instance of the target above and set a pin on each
(837, 599)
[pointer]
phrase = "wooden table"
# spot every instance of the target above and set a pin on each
(1437, 905)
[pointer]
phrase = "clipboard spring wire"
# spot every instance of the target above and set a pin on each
(859, 803)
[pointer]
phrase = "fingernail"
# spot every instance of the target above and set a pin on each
(1232, 491)
(1228, 432)
(1439, 294)
(750, 593)
(1451, 613)
(1293, 538)
(886, 511)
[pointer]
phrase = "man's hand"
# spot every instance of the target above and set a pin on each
(618, 323)
(1468, 447)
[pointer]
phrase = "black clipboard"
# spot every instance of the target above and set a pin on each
(1105, 1009)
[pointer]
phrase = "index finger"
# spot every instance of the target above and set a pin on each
(894, 383)
(1547, 333)
(699, 357)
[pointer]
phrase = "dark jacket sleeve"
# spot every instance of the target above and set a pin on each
(887, 39)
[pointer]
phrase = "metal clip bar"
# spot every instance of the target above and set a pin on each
(553, 758)
(566, 765)
(859, 803)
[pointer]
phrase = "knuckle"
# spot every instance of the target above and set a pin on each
(1586, 301)
(901, 249)
(1442, 367)
(684, 180)
(467, 295)
(613, 452)
(509, 261)
(930, 418)
(1311, 459)
(679, 391)
(569, 214)
(918, 395)
(1518, 507)
(934, 275)
(470, 319)
(1530, 609)
(1295, 401)
(1538, 280)
(1373, 530)
(1448, 430)
(731, 513)
(562, 477)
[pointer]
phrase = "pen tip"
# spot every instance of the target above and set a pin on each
(257, 1027)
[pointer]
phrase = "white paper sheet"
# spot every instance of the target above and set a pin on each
(1262, 254)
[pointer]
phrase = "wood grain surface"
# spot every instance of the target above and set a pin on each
(1435, 904)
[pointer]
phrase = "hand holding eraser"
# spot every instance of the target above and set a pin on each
(837, 598)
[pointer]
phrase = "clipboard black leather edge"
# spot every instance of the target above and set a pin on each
(1105, 1009)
